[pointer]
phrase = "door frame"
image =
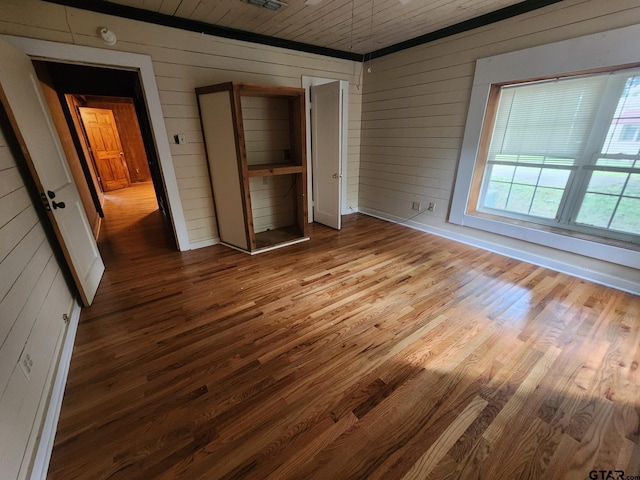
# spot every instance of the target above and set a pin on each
(90, 56)
(307, 83)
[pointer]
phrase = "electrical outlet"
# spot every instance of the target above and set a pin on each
(415, 206)
(432, 207)
(26, 364)
(180, 139)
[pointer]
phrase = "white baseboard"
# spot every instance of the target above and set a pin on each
(563, 267)
(45, 446)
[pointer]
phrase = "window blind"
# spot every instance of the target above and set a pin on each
(550, 119)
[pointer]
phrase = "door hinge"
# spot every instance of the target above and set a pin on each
(66, 318)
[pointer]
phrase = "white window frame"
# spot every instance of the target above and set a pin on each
(579, 172)
(614, 48)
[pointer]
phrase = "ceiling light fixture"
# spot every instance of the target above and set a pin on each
(270, 4)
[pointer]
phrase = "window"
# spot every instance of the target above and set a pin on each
(563, 179)
(565, 152)
(629, 133)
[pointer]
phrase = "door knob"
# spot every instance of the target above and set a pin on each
(54, 204)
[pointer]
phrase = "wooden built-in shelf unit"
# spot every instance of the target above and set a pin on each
(256, 149)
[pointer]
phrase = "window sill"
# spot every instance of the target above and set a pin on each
(609, 250)
(560, 231)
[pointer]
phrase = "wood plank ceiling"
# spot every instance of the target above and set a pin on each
(355, 26)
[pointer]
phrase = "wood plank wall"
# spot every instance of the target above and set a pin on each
(33, 291)
(267, 134)
(267, 138)
(183, 61)
(415, 105)
(273, 202)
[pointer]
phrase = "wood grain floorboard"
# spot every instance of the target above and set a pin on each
(375, 352)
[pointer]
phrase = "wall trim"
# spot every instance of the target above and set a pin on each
(132, 13)
(562, 267)
(471, 24)
(50, 425)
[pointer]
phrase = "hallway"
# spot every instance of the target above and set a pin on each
(133, 226)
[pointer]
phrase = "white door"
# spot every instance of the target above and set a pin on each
(30, 118)
(326, 128)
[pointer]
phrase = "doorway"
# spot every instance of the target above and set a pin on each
(142, 66)
(111, 129)
(338, 192)
(107, 123)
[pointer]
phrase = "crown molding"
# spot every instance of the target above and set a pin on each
(109, 8)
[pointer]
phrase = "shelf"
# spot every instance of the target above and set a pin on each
(266, 170)
(253, 132)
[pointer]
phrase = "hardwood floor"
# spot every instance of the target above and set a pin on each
(375, 352)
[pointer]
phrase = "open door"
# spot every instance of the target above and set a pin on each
(106, 147)
(326, 128)
(30, 118)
